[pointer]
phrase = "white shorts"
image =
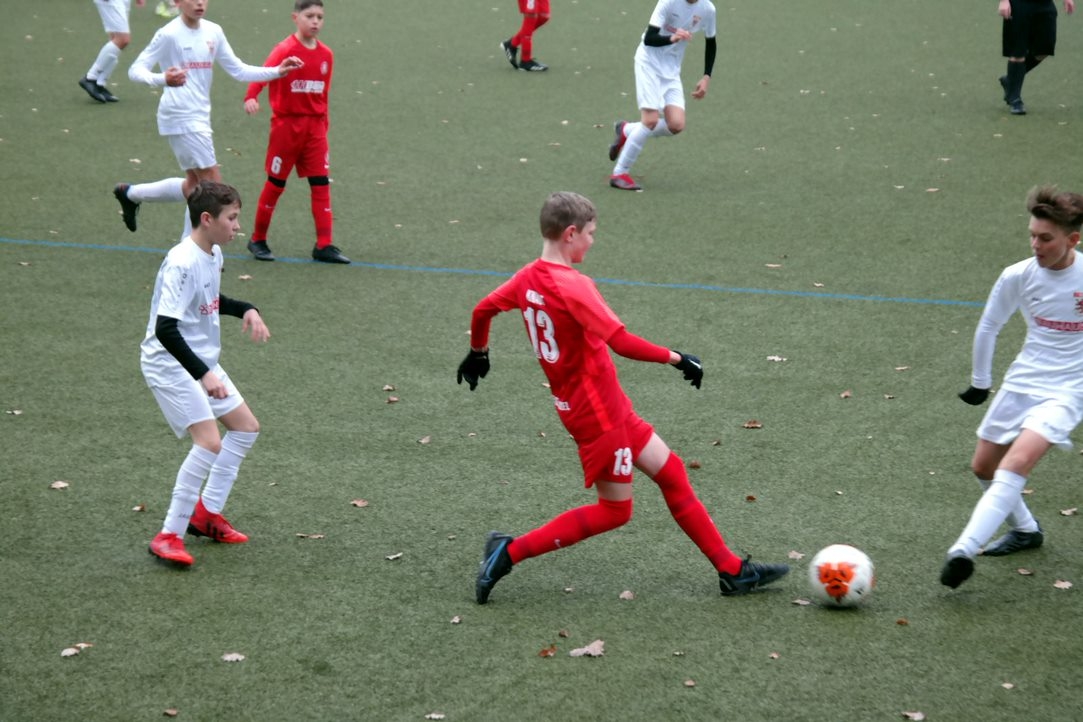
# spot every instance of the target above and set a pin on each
(1053, 419)
(193, 150)
(114, 15)
(187, 402)
(655, 93)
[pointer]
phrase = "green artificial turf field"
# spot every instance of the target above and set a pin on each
(840, 202)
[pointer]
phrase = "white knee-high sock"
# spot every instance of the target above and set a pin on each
(1020, 517)
(661, 129)
(167, 190)
(998, 501)
(192, 472)
(235, 446)
(104, 64)
(636, 135)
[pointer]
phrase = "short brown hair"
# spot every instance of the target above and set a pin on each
(301, 5)
(563, 209)
(211, 197)
(1064, 209)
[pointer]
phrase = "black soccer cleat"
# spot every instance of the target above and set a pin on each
(533, 66)
(129, 209)
(91, 89)
(751, 577)
(329, 254)
(957, 569)
(106, 95)
(1017, 107)
(1014, 541)
(495, 564)
(510, 52)
(260, 251)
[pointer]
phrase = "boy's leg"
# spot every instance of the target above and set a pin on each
(571, 527)
(242, 430)
(322, 217)
(197, 465)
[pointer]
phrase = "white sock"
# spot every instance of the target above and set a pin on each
(192, 472)
(235, 446)
(998, 501)
(636, 135)
(104, 63)
(1020, 517)
(661, 129)
(169, 190)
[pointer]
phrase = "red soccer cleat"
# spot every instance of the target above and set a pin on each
(624, 182)
(618, 140)
(170, 547)
(213, 526)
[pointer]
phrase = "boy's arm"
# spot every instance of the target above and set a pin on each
(1002, 303)
(255, 88)
(239, 70)
(168, 333)
(142, 69)
(476, 364)
(253, 321)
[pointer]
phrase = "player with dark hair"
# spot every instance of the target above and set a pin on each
(535, 14)
(1028, 36)
(179, 359)
(298, 137)
(659, 90)
(1040, 401)
(572, 330)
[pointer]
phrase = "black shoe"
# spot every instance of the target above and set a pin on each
(1018, 108)
(752, 576)
(128, 208)
(1014, 541)
(106, 95)
(957, 569)
(260, 250)
(495, 564)
(533, 66)
(91, 89)
(1004, 84)
(329, 254)
(510, 52)
(618, 140)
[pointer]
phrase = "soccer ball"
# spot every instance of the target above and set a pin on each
(841, 576)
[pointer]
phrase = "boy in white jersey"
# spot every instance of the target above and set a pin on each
(179, 359)
(658, 81)
(186, 48)
(1040, 401)
(114, 15)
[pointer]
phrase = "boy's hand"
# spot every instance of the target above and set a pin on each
(251, 106)
(473, 367)
(254, 326)
(175, 77)
(692, 368)
(974, 396)
(289, 64)
(214, 386)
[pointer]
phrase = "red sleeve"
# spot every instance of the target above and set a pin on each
(254, 89)
(637, 348)
(501, 299)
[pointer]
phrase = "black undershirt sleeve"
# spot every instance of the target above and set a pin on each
(233, 307)
(708, 56)
(165, 328)
(654, 37)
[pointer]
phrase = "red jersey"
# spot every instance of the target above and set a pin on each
(303, 91)
(569, 324)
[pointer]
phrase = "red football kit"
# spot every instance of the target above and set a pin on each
(571, 328)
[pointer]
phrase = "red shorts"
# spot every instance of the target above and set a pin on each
(301, 141)
(609, 457)
(534, 7)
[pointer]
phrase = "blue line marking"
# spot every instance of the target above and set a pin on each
(503, 274)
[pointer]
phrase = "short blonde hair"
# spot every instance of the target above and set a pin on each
(563, 209)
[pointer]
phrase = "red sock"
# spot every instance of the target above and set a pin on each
(265, 208)
(321, 214)
(524, 38)
(688, 511)
(571, 527)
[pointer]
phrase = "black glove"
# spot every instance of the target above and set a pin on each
(692, 368)
(473, 367)
(974, 396)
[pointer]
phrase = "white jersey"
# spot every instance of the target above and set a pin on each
(1051, 302)
(187, 108)
(186, 289)
(672, 15)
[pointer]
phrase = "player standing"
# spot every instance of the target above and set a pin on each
(298, 131)
(114, 15)
(179, 358)
(535, 14)
(186, 48)
(572, 330)
(1040, 401)
(1028, 36)
(658, 81)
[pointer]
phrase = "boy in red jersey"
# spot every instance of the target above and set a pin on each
(298, 132)
(535, 14)
(572, 329)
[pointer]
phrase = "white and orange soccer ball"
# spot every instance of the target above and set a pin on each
(841, 576)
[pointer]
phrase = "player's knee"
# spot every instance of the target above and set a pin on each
(319, 180)
(676, 127)
(618, 513)
(121, 40)
(279, 182)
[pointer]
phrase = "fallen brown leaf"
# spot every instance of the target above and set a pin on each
(388, 387)
(171, 712)
(1024, 572)
(1062, 584)
(59, 485)
(392, 399)
(594, 649)
(752, 424)
(139, 507)
(360, 503)
(796, 555)
(916, 716)
(695, 464)
(801, 602)
(690, 683)
(232, 657)
(627, 595)
(846, 394)
(750, 498)
(550, 651)
(1069, 512)
(424, 440)
(393, 557)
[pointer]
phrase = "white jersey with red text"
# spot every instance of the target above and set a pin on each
(670, 16)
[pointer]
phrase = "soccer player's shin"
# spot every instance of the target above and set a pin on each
(571, 527)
